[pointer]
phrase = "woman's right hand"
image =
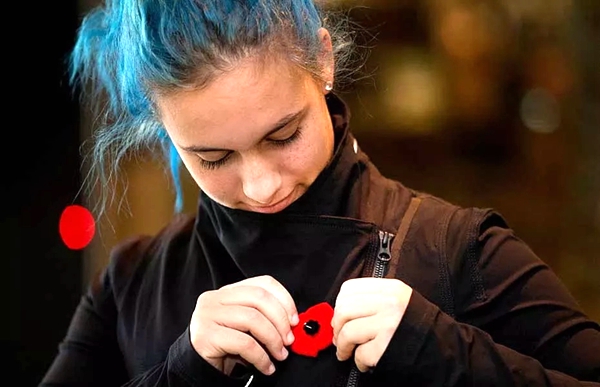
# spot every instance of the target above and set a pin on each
(244, 320)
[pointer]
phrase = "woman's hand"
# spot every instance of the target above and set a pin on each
(366, 315)
(244, 320)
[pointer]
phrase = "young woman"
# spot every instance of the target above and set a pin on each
(303, 265)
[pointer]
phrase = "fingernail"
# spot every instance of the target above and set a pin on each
(271, 369)
(284, 353)
(295, 319)
(290, 338)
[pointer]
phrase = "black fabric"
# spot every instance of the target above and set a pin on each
(485, 309)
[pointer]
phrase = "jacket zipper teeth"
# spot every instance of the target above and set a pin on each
(353, 377)
(384, 255)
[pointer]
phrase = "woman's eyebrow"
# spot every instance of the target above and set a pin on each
(285, 120)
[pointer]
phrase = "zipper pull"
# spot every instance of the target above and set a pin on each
(384, 254)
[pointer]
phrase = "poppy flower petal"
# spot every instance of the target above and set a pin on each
(313, 333)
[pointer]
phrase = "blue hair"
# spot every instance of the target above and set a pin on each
(128, 51)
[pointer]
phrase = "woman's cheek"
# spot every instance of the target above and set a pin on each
(220, 186)
(305, 160)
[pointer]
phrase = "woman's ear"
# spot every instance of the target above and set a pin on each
(326, 60)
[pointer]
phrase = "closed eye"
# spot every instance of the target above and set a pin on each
(290, 139)
(211, 165)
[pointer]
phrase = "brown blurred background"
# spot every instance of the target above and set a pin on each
(488, 103)
(491, 103)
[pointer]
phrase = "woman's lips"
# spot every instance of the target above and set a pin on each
(279, 206)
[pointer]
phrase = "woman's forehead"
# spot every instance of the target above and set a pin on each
(242, 102)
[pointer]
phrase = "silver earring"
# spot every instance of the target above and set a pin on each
(329, 86)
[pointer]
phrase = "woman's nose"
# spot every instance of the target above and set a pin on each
(261, 182)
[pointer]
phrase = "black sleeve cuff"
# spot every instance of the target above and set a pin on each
(410, 336)
(194, 369)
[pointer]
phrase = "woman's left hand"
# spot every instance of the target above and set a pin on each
(366, 315)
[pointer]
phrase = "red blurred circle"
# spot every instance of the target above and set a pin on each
(76, 227)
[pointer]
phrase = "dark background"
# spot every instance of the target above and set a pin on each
(41, 279)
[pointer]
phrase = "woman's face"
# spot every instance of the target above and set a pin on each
(256, 138)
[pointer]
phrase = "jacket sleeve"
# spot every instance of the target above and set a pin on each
(90, 354)
(515, 325)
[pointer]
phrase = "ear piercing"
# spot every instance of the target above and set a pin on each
(329, 86)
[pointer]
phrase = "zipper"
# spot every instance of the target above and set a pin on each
(384, 255)
(353, 377)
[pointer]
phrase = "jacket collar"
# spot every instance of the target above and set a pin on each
(324, 236)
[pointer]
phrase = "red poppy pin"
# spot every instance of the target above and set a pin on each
(313, 332)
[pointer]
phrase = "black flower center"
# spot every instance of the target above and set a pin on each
(311, 327)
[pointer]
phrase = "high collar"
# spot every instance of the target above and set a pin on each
(324, 236)
(320, 230)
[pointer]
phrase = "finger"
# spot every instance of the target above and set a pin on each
(247, 319)
(278, 290)
(263, 301)
(367, 355)
(353, 333)
(235, 342)
(350, 308)
(366, 285)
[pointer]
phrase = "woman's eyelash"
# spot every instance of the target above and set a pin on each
(288, 140)
(211, 165)
(214, 164)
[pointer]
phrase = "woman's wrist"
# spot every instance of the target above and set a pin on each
(410, 335)
(192, 367)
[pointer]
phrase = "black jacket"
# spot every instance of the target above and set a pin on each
(485, 310)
